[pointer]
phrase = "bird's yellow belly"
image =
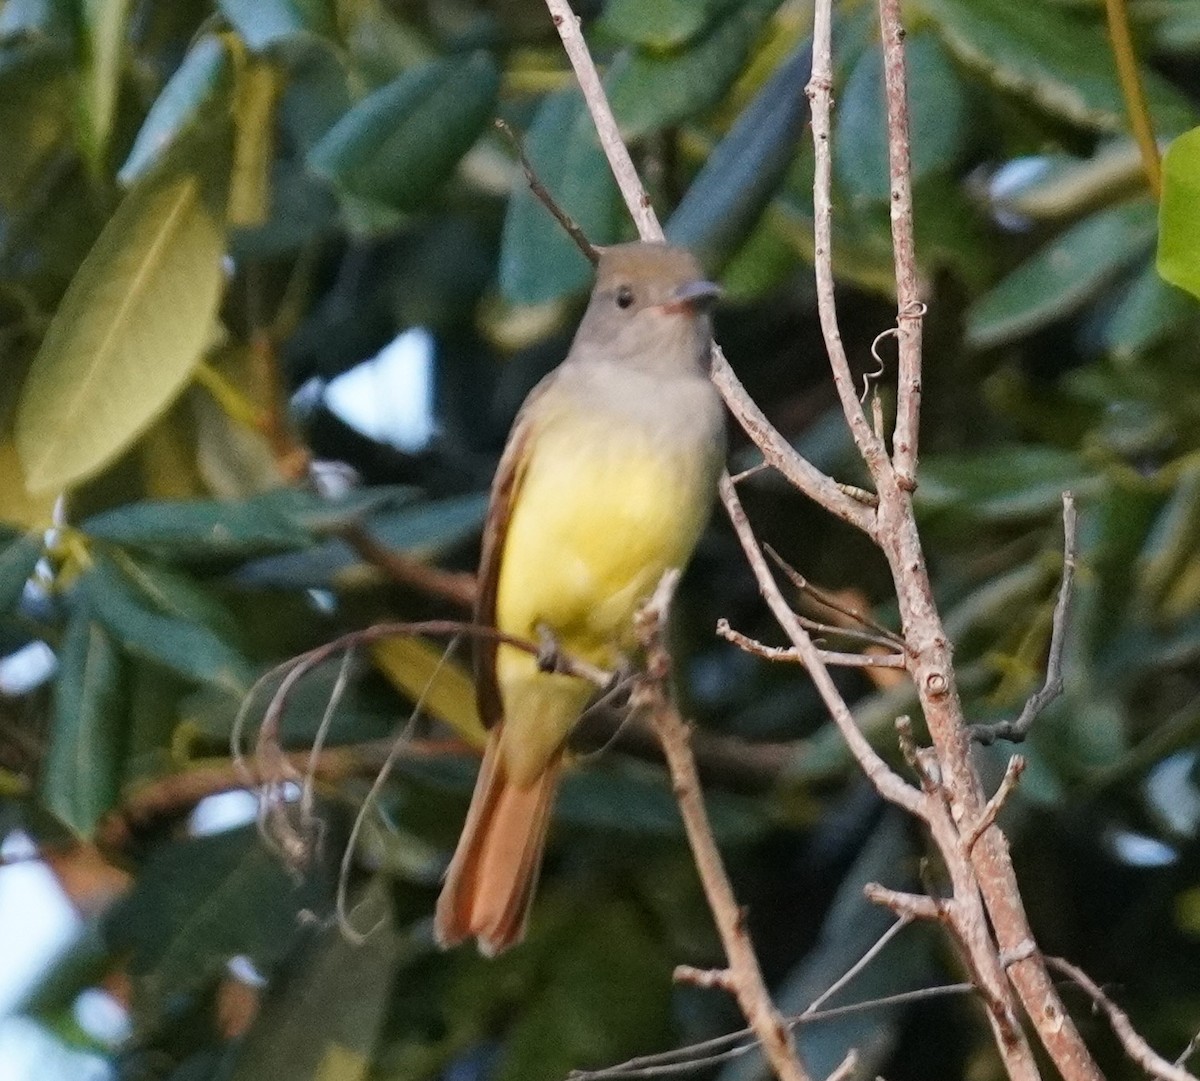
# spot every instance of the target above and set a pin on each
(593, 530)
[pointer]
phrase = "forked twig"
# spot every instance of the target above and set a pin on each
(831, 602)
(1052, 687)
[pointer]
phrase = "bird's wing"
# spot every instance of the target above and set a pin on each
(506, 486)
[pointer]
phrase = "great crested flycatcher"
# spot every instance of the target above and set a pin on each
(606, 481)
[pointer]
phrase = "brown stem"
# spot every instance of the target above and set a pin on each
(636, 199)
(909, 308)
(820, 96)
(458, 587)
(1135, 1046)
(743, 977)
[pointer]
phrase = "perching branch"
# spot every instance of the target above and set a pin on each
(991, 926)
(743, 978)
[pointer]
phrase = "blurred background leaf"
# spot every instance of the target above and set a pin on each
(271, 290)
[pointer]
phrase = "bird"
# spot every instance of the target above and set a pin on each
(606, 481)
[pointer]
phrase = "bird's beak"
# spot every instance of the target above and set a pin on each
(693, 296)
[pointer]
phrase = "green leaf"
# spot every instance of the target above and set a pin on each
(399, 144)
(1059, 60)
(198, 90)
(726, 199)
(1179, 215)
(81, 778)
(573, 1019)
(659, 25)
(265, 23)
(104, 37)
(18, 558)
(423, 530)
(1063, 276)
(274, 521)
(939, 119)
(1174, 539)
(1149, 311)
(323, 1024)
(655, 90)
(126, 336)
(538, 261)
(1004, 483)
(35, 114)
(197, 903)
(431, 526)
(187, 647)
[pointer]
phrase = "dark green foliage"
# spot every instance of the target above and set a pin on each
(341, 154)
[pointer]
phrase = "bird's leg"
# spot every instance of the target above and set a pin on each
(549, 655)
(623, 674)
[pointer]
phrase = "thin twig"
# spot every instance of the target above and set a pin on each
(820, 96)
(889, 784)
(1188, 1051)
(569, 224)
(1135, 1046)
(1008, 784)
(831, 602)
(699, 1056)
(887, 936)
(402, 739)
(830, 658)
(745, 975)
(458, 587)
(1052, 687)
(909, 308)
(640, 207)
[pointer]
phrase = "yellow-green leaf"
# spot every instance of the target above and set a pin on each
(126, 337)
(445, 689)
(103, 25)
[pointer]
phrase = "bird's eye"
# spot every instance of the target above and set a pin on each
(624, 296)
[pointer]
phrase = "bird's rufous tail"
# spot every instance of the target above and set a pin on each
(490, 882)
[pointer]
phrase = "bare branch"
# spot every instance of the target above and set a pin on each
(831, 602)
(569, 225)
(636, 199)
(858, 965)
(743, 976)
(820, 96)
(1016, 731)
(699, 1056)
(785, 653)
(779, 453)
(907, 906)
(909, 307)
(1135, 1046)
(458, 587)
(1008, 783)
(889, 784)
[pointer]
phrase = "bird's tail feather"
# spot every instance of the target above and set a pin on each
(490, 882)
